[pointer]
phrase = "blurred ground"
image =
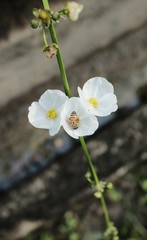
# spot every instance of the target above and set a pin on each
(109, 40)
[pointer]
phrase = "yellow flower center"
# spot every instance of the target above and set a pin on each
(93, 101)
(52, 113)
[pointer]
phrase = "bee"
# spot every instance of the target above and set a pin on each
(74, 120)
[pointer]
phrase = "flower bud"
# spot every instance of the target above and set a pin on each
(109, 185)
(56, 16)
(73, 9)
(98, 194)
(65, 11)
(35, 23)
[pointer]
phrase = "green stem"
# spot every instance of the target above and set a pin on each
(92, 170)
(95, 178)
(67, 91)
(44, 37)
(46, 4)
(105, 210)
(60, 60)
(59, 56)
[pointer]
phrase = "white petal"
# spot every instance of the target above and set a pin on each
(52, 99)
(97, 87)
(107, 105)
(37, 116)
(55, 128)
(46, 100)
(88, 126)
(85, 102)
(61, 98)
(70, 131)
(71, 105)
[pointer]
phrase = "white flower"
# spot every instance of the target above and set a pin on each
(76, 120)
(46, 112)
(98, 97)
(74, 10)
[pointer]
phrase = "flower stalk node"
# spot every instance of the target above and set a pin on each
(42, 18)
(98, 188)
(111, 232)
(101, 187)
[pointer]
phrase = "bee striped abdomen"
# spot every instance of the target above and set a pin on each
(74, 120)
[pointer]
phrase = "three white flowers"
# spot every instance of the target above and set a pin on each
(77, 115)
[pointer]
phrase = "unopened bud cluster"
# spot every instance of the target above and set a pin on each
(111, 233)
(100, 187)
(44, 17)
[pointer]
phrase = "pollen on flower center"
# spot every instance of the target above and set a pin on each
(93, 101)
(52, 113)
